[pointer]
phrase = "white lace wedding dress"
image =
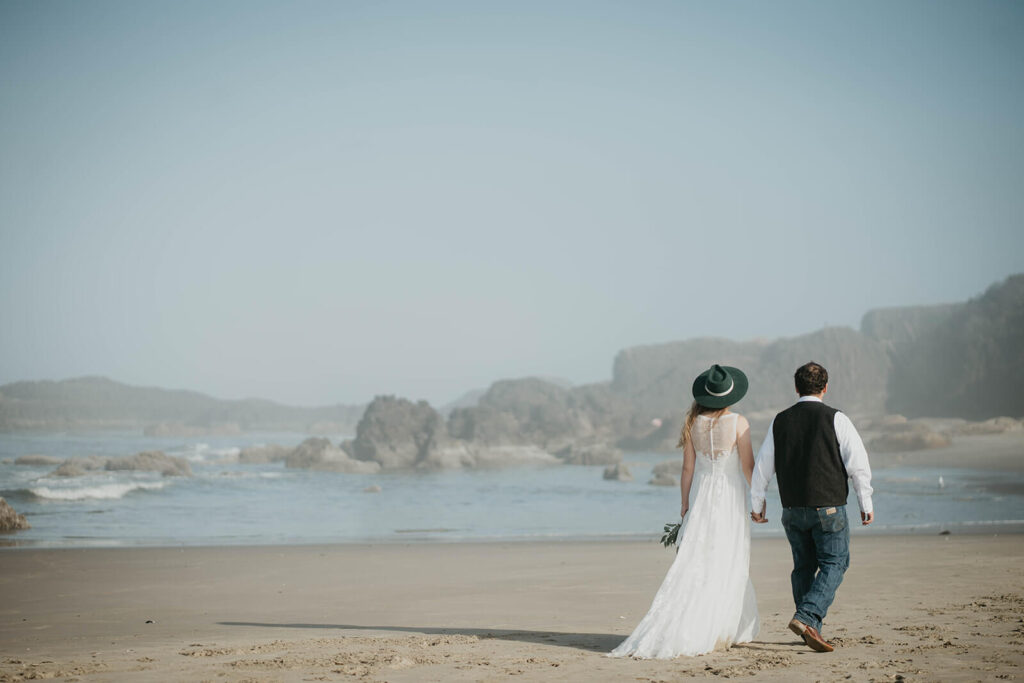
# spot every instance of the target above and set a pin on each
(706, 600)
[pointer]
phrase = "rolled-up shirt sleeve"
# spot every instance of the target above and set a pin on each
(855, 459)
(764, 470)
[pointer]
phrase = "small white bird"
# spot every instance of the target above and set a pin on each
(942, 483)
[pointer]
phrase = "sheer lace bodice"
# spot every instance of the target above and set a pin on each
(714, 438)
(706, 600)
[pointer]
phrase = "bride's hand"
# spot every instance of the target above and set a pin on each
(684, 509)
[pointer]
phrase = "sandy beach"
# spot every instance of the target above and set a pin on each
(992, 452)
(916, 607)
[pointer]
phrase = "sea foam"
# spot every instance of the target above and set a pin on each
(203, 453)
(97, 492)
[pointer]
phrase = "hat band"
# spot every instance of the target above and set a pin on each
(724, 393)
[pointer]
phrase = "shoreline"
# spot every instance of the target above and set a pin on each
(984, 483)
(10, 543)
(485, 611)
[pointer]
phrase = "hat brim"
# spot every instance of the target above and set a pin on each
(738, 391)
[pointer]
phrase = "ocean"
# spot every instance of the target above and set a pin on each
(227, 503)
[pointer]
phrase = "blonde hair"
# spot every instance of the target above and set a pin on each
(691, 415)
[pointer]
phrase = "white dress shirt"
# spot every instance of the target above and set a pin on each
(851, 448)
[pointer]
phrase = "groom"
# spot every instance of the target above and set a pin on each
(814, 449)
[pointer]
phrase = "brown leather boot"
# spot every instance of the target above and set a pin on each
(810, 636)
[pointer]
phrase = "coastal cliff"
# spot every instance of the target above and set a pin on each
(101, 403)
(962, 360)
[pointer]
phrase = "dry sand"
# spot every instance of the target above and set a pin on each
(916, 607)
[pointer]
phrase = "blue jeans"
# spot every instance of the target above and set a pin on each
(821, 553)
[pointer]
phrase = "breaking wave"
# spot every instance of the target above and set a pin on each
(95, 492)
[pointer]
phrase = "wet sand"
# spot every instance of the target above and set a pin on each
(920, 607)
(992, 452)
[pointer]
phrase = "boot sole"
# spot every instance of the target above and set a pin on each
(816, 645)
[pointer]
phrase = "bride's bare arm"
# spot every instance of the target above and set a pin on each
(689, 459)
(745, 448)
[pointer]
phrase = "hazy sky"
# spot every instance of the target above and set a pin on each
(319, 202)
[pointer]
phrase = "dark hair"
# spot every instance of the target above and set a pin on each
(810, 379)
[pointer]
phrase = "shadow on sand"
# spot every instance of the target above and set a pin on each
(771, 645)
(591, 642)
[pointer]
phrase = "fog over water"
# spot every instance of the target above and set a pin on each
(319, 202)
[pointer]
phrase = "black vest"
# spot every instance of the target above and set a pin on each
(808, 463)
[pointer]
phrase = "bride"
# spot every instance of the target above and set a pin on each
(706, 600)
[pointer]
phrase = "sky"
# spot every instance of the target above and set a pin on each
(319, 202)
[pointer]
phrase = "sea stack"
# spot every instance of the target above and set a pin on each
(11, 520)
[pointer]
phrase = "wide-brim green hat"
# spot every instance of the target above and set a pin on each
(719, 386)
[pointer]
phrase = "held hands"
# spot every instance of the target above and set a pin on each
(759, 517)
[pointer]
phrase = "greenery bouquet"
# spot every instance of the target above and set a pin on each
(668, 539)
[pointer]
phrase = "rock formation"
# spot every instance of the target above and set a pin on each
(147, 461)
(896, 434)
(541, 413)
(657, 379)
(76, 467)
(510, 456)
(260, 455)
(152, 461)
(996, 425)
(319, 454)
(964, 360)
(397, 433)
(11, 520)
(522, 411)
(593, 453)
(665, 473)
(578, 424)
(522, 421)
(659, 438)
(619, 472)
(911, 440)
(960, 360)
